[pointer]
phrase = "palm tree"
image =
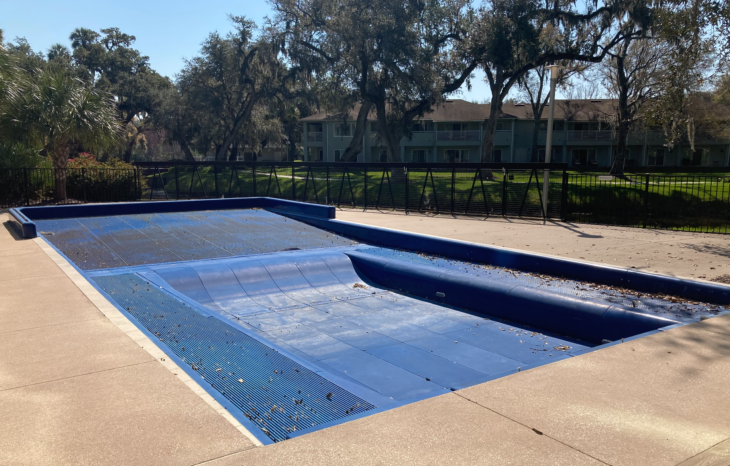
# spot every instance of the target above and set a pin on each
(58, 111)
(10, 82)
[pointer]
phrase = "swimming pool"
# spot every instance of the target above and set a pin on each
(300, 326)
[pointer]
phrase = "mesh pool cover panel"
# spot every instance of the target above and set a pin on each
(679, 309)
(273, 391)
(129, 240)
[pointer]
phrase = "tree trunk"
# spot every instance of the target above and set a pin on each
(242, 118)
(355, 146)
(59, 156)
(184, 146)
(128, 150)
(535, 135)
(490, 128)
(234, 153)
(617, 168)
(387, 133)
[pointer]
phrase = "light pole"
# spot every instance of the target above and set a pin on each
(554, 70)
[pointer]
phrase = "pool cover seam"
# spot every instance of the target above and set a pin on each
(177, 225)
(102, 242)
(198, 236)
(112, 312)
(537, 432)
(146, 235)
(220, 229)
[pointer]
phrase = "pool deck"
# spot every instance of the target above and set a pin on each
(78, 385)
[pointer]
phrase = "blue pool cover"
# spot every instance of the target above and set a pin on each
(273, 315)
(127, 240)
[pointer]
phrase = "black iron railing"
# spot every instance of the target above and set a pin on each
(37, 186)
(689, 203)
(454, 188)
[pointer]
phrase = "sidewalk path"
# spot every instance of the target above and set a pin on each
(75, 388)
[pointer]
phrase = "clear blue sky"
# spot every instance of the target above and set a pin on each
(166, 31)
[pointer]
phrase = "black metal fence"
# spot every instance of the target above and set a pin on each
(688, 203)
(484, 190)
(37, 186)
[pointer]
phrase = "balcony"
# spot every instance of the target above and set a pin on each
(314, 137)
(590, 135)
(457, 135)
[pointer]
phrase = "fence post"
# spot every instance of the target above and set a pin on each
(137, 184)
(177, 185)
(504, 193)
(453, 187)
(25, 181)
(406, 170)
(365, 179)
(215, 179)
(646, 199)
(83, 179)
(564, 197)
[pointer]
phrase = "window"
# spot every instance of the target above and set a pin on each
(656, 157)
(314, 127)
(697, 157)
(338, 156)
(497, 155)
(557, 125)
(458, 126)
(419, 155)
(422, 126)
(344, 129)
(556, 152)
(502, 126)
(584, 157)
(456, 155)
(588, 126)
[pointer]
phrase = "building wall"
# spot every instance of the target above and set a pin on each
(514, 141)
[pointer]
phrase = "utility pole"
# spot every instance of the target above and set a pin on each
(554, 71)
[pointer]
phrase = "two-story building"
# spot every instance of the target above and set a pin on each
(453, 132)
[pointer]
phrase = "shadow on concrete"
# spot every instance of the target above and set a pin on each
(13, 231)
(714, 249)
(573, 228)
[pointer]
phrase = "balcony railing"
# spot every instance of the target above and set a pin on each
(457, 135)
(590, 135)
(314, 137)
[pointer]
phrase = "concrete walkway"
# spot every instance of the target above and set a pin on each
(701, 256)
(77, 386)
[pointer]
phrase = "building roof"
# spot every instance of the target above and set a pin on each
(462, 110)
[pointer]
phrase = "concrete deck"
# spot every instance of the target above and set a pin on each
(77, 385)
(701, 256)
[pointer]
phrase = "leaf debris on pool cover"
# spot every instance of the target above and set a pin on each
(656, 303)
(277, 394)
